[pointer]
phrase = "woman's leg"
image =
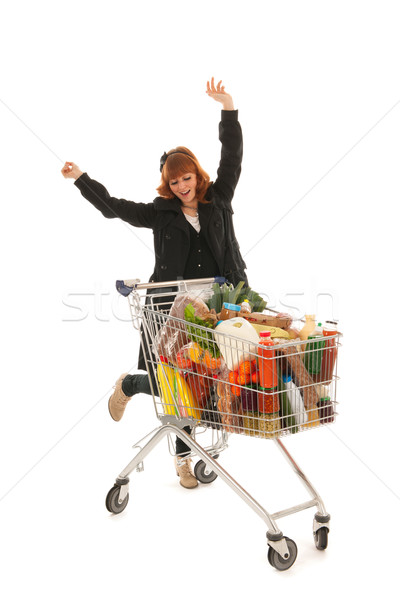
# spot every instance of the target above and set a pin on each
(140, 384)
(129, 385)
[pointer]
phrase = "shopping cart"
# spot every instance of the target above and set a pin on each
(219, 384)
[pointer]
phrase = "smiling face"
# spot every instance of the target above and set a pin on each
(184, 188)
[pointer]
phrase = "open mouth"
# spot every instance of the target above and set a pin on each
(185, 193)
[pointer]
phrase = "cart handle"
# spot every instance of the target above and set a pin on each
(126, 286)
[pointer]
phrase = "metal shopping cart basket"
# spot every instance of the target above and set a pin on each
(223, 383)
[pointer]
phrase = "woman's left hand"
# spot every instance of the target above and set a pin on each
(219, 94)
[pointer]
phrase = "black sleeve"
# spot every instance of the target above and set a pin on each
(138, 214)
(230, 135)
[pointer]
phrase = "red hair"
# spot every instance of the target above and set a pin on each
(177, 165)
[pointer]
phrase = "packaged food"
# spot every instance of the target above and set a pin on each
(275, 331)
(268, 407)
(308, 327)
(229, 311)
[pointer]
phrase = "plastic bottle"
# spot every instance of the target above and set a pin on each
(267, 361)
(308, 327)
(235, 351)
(295, 399)
(329, 355)
(245, 306)
(314, 351)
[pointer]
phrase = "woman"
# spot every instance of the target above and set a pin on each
(193, 232)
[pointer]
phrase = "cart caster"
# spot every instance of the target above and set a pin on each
(321, 538)
(113, 502)
(283, 563)
(321, 530)
(203, 473)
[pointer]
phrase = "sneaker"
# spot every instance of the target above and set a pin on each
(118, 400)
(185, 472)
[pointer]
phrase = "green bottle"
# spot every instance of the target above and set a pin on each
(314, 351)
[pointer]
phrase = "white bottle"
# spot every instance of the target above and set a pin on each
(295, 400)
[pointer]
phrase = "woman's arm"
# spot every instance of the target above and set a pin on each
(138, 214)
(219, 94)
(230, 135)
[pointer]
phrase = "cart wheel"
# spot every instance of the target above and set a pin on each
(203, 474)
(321, 538)
(112, 503)
(280, 563)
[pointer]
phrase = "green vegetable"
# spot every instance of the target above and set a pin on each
(235, 295)
(203, 337)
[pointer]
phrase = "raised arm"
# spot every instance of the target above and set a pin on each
(219, 94)
(138, 214)
(230, 135)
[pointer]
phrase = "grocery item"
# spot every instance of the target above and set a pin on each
(229, 407)
(269, 425)
(245, 306)
(329, 355)
(312, 417)
(282, 321)
(325, 410)
(235, 351)
(249, 398)
(314, 351)
(266, 361)
(199, 391)
(229, 311)
(275, 331)
(250, 422)
(295, 400)
(300, 376)
(187, 405)
(176, 395)
(173, 335)
(166, 379)
(211, 413)
(286, 411)
(268, 407)
(184, 397)
(308, 327)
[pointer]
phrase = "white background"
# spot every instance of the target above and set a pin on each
(110, 86)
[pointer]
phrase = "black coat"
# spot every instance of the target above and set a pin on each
(169, 225)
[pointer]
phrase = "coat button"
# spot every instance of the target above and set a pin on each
(218, 224)
(168, 236)
(163, 267)
(199, 250)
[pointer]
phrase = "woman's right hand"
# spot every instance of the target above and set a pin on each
(71, 171)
